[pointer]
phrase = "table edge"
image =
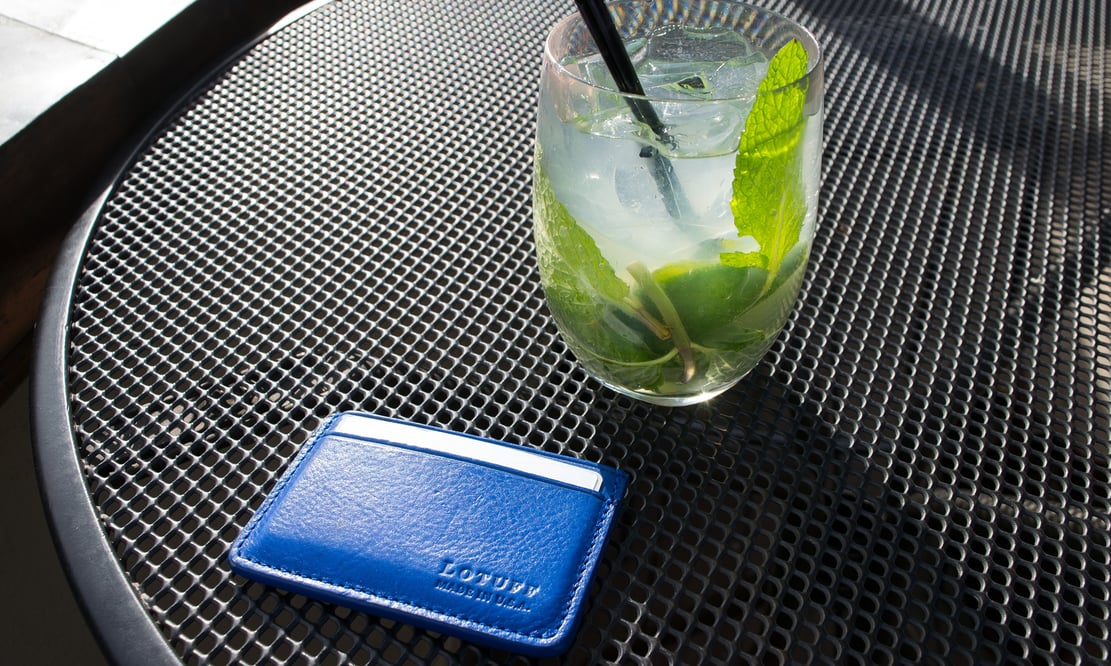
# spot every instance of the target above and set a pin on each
(109, 602)
(107, 598)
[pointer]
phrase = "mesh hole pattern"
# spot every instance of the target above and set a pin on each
(340, 219)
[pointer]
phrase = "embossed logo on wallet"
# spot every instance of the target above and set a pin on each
(485, 584)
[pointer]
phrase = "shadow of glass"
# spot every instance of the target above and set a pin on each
(756, 530)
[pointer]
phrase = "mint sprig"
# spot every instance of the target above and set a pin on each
(576, 263)
(706, 318)
(768, 200)
(583, 290)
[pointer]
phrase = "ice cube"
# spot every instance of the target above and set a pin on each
(677, 43)
(710, 128)
(738, 77)
(590, 68)
(700, 63)
(681, 80)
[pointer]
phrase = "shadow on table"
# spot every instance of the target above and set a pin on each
(1019, 90)
(754, 528)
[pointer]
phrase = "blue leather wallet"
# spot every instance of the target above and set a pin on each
(480, 539)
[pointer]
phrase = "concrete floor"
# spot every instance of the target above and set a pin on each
(40, 622)
(48, 48)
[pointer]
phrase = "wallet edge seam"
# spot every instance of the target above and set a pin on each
(613, 482)
(565, 616)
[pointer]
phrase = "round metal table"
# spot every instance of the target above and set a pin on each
(339, 219)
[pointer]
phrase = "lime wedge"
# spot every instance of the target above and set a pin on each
(709, 296)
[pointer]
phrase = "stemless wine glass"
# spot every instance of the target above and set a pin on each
(673, 228)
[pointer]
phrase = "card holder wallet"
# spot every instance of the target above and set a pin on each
(475, 538)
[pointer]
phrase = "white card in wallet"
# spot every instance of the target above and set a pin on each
(468, 447)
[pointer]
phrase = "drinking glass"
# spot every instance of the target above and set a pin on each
(673, 228)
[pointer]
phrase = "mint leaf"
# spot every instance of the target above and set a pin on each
(583, 292)
(778, 299)
(768, 200)
(573, 260)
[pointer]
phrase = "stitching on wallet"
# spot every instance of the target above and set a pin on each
(595, 545)
(599, 533)
(606, 513)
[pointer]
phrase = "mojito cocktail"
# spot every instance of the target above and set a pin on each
(672, 253)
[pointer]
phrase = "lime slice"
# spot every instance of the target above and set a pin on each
(709, 296)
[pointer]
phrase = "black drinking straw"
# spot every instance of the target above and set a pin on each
(600, 24)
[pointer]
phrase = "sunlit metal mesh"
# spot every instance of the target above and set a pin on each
(341, 219)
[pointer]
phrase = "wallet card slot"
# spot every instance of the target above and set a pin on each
(467, 447)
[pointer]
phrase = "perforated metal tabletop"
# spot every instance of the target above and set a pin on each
(340, 219)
